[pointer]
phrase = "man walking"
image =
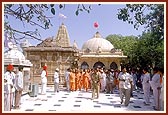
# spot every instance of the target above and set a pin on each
(125, 81)
(146, 86)
(67, 78)
(19, 87)
(44, 80)
(95, 77)
(155, 84)
(56, 80)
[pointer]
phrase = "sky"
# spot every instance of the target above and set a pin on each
(80, 28)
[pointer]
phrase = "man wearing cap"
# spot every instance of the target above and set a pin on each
(56, 80)
(44, 80)
(9, 80)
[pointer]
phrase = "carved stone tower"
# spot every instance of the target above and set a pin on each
(62, 37)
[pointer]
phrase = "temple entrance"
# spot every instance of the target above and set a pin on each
(98, 65)
(84, 65)
(113, 66)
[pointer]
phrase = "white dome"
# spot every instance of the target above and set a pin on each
(14, 53)
(97, 43)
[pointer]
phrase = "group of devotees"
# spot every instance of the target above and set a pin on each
(96, 80)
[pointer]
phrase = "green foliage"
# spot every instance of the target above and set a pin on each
(150, 51)
(126, 43)
(142, 51)
(150, 15)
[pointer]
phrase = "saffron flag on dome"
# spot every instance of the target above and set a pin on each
(96, 25)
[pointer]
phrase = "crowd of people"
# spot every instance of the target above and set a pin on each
(97, 80)
(13, 87)
(126, 81)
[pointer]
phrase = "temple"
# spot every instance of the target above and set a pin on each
(57, 52)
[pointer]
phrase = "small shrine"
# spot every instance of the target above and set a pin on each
(15, 57)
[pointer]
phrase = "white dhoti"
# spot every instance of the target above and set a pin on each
(43, 85)
(7, 102)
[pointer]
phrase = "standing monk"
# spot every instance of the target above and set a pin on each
(80, 80)
(72, 80)
(86, 80)
(89, 72)
(44, 80)
(77, 80)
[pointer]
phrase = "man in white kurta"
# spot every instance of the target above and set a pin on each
(162, 95)
(109, 82)
(19, 87)
(161, 72)
(134, 76)
(56, 80)
(103, 81)
(9, 89)
(67, 78)
(155, 84)
(44, 80)
(146, 86)
(125, 80)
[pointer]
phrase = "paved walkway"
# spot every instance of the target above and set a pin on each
(80, 101)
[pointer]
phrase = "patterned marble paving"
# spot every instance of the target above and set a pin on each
(81, 101)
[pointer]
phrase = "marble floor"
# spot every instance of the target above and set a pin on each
(80, 101)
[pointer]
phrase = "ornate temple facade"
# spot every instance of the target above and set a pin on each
(57, 52)
(99, 52)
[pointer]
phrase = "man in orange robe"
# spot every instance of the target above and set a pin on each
(81, 80)
(72, 80)
(77, 79)
(86, 80)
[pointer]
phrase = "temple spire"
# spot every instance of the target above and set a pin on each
(62, 37)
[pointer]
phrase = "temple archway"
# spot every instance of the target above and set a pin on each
(113, 65)
(98, 65)
(84, 65)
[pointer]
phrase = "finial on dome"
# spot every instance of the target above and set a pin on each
(97, 35)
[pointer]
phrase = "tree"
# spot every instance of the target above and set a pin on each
(34, 15)
(150, 47)
(142, 51)
(150, 51)
(149, 15)
(126, 43)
